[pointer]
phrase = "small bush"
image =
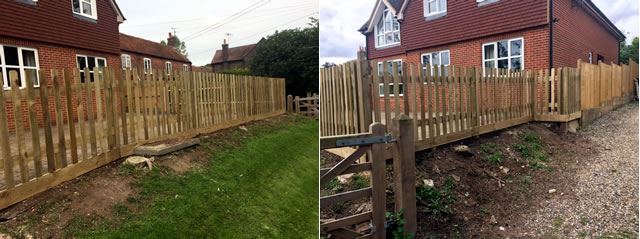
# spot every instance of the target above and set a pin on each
(358, 181)
(491, 151)
(395, 226)
(439, 202)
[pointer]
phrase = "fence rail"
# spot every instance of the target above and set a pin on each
(68, 126)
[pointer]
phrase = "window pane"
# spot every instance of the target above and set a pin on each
(92, 62)
(11, 56)
(389, 38)
(436, 59)
(102, 63)
(28, 58)
(516, 48)
(426, 59)
(442, 5)
(81, 60)
(76, 6)
(396, 25)
(502, 49)
(396, 37)
(489, 52)
(380, 69)
(32, 75)
(444, 58)
(489, 64)
(503, 64)
(86, 8)
(17, 70)
(516, 63)
(432, 7)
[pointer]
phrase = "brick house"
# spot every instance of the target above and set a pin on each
(151, 56)
(58, 34)
(231, 58)
(45, 35)
(491, 33)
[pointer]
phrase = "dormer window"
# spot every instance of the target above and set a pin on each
(435, 8)
(86, 8)
(387, 30)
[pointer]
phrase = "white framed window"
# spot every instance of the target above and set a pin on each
(437, 58)
(505, 54)
(22, 60)
(126, 61)
(390, 64)
(148, 69)
(387, 30)
(434, 7)
(168, 67)
(185, 67)
(86, 8)
(91, 62)
(485, 2)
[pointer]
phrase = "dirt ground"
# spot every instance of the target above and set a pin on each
(52, 214)
(584, 185)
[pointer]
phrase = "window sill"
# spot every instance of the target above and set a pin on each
(387, 46)
(85, 18)
(487, 2)
(435, 16)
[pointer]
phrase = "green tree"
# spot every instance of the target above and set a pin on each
(177, 44)
(293, 55)
(629, 51)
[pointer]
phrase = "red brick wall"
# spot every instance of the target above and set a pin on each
(465, 20)
(577, 33)
(51, 57)
(469, 53)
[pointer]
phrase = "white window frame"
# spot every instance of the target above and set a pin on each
(508, 57)
(385, 32)
(147, 70)
(126, 61)
(168, 67)
(430, 54)
(86, 63)
(21, 66)
(185, 67)
(94, 8)
(381, 85)
(440, 9)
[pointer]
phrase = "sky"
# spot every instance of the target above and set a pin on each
(154, 19)
(340, 21)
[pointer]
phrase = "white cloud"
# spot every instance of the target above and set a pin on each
(624, 14)
(339, 24)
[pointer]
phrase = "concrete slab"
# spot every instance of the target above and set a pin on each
(165, 148)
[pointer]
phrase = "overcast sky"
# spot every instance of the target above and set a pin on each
(153, 20)
(340, 20)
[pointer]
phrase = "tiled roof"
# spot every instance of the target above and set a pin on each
(146, 47)
(235, 53)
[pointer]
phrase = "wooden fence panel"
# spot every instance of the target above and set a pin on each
(91, 117)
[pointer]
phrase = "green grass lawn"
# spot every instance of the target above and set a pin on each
(262, 186)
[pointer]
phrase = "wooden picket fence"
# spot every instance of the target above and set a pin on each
(65, 128)
(307, 106)
(450, 103)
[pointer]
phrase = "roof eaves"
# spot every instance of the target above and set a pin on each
(605, 20)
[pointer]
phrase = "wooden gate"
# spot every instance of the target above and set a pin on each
(373, 144)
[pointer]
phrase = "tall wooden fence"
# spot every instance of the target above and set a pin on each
(65, 128)
(605, 86)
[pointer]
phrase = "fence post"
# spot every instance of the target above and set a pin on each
(290, 104)
(404, 171)
(297, 100)
(364, 73)
(378, 189)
